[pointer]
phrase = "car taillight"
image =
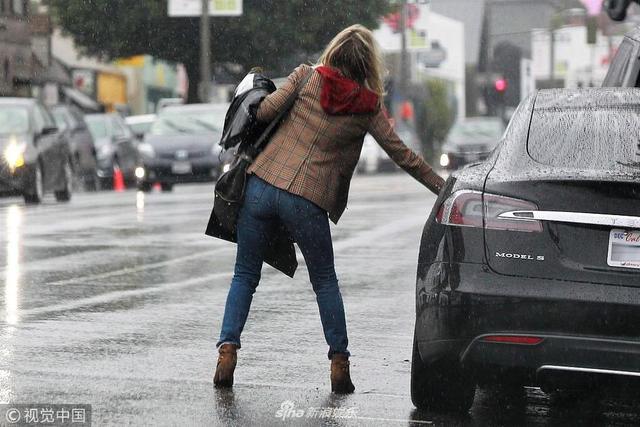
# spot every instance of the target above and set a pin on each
(513, 339)
(465, 208)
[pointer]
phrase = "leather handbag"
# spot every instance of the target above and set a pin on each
(230, 188)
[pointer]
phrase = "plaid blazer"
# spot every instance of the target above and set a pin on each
(314, 154)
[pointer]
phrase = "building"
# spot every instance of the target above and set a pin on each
(498, 36)
(130, 85)
(436, 49)
(576, 63)
(150, 80)
(16, 59)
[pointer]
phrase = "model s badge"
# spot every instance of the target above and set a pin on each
(525, 257)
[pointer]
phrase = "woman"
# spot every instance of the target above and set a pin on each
(301, 180)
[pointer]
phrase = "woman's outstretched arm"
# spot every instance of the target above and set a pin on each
(402, 155)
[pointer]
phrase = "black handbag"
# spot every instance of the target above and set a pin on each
(229, 190)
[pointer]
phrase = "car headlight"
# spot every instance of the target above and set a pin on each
(140, 172)
(14, 154)
(146, 149)
(444, 160)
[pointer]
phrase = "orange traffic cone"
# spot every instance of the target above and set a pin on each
(118, 180)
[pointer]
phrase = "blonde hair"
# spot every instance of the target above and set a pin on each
(356, 54)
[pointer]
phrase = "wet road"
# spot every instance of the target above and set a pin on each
(115, 300)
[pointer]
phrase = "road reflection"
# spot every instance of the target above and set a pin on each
(531, 406)
(140, 206)
(12, 266)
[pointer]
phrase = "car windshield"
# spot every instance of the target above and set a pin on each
(14, 119)
(180, 121)
(98, 127)
(474, 130)
(591, 139)
(59, 117)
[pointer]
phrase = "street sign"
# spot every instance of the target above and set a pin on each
(193, 8)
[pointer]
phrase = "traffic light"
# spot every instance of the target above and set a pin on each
(501, 86)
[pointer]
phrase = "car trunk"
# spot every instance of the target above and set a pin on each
(582, 183)
(586, 249)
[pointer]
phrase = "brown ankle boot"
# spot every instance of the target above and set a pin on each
(340, 378)
(227, 359)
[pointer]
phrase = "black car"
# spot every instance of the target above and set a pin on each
(182, 146)
(71, 123)
(116, 148)
(529, 265)
(470, 140)
(35, 157)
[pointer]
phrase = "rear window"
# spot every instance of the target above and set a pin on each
(591, 139)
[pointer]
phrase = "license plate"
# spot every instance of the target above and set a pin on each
(624, 248)
(181, 168)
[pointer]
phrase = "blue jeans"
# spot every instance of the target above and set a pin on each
(263, 207)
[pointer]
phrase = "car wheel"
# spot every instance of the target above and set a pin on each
(65, 194)
(34, 186)
(441, 386)
(145, 187)
(166, 188)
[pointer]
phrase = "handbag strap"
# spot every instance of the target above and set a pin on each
(285, 110)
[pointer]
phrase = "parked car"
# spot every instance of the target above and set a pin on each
(529, 266)
(35, 157)
(116, 148)
(70, 122)
(624, 70)
(182, 146)
(470, 140)
(168, 102)
(373, 159)
(141, 124)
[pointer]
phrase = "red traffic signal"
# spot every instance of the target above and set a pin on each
(501, 85)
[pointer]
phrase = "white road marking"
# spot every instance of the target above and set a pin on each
(109, 297)
(130, 270)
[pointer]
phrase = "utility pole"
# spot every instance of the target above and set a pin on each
(404, 59)
(205, 53)
(552, 53)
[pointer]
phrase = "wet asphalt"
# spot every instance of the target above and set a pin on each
(116, 299)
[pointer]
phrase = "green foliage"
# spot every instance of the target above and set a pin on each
(269, 32)
(438, 115)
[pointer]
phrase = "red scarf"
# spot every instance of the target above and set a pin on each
(341, 95)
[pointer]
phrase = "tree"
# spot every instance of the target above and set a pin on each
(438, 116)
(270, 33)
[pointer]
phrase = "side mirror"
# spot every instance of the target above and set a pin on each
(48, 130)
